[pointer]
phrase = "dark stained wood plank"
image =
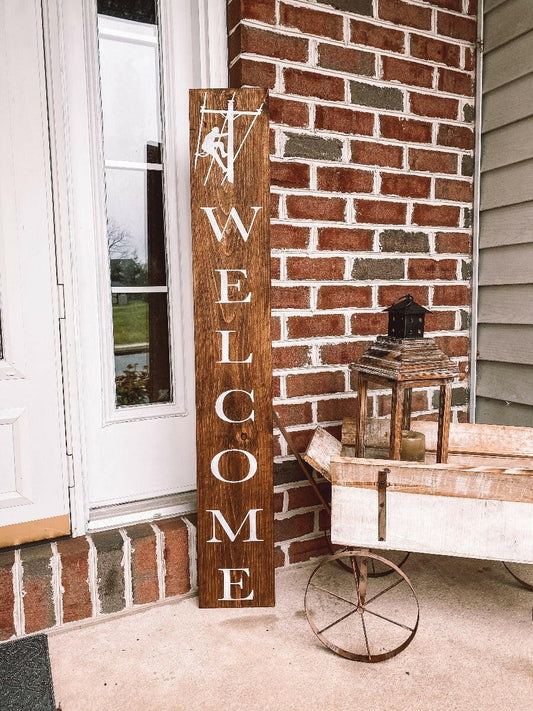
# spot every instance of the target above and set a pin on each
(230, 213)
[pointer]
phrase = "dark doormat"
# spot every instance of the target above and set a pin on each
(25, 676)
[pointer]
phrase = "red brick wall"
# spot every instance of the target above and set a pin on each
(371, 142)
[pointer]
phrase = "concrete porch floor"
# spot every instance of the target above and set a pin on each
(473, 650)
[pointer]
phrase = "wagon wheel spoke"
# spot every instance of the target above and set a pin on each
(388, 619)
(336, 622)
(366, 636)
(386, 590)
(329, 592)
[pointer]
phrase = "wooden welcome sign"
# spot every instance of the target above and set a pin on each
(230, 203)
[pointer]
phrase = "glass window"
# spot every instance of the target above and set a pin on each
(128, 41)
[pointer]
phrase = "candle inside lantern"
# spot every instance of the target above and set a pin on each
(413, 446)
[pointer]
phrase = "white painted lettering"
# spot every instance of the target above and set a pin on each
(225, 285)
(233, 215)
(219, 406)
(251, 516)
(252, 469)
(225, 349)
(226, 572)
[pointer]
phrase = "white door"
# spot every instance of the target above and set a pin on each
(33, 479)
(127, 71)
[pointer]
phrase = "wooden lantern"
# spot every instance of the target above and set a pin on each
(404, 363)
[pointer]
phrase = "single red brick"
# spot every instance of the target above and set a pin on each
(369, 324)
(435, 106)
(462, 416)
(346, 59)
(429, 269)
(376, 36)
(321, 86)
(289, 175)
(336, 118)
(389, 293)
(278, 502)
(344, 296)
(472, 7)
(344, 180)
(330, 381)
(311, 22)
(301, 497)
(39, 613)
(435, 50)
(381, 212)
(290, 357)
(295, 414)
(319, 268)
(300, 551)
(460, 190)
(7, 597)
(403, 13)
(451, 295)
(341, 353)
(275, 267)
(176, 555)
(290, 297)
(74, 554)
(403, 129)
(283, 236)
(316, 325)
(309, 207)
(268, 44)
(345, 238)
(246, 72)
(370, 153)
(411, 73)
(458, 27)
(454, 346)
(470, 60)
(450, 242)
(405, 185)
(456, 82)
(144, 577)
(440, 321)
(432, 161)
(293, 527)
(275, 328)
(287, 112)
(436, 215)
(455, 136)
(276, 388)
(260, 10)
(279, 557)
(336, 409)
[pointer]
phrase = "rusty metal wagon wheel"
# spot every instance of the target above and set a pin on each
(522, 572)
(375, 568)
(357, 617)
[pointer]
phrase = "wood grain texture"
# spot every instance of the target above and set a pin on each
(236, 492)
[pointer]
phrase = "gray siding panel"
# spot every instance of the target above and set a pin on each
(506, 265)
(507, 145)
(509, 62)
(505, 295)
(508, 103)
(506, 225)
(508, 21)
(506, 305)
(505, 381)
(507, 343)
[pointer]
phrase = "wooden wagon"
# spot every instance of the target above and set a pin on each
(478, 505)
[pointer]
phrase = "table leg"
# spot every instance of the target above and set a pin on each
(398, 392)
(445, 411)
(360, 413)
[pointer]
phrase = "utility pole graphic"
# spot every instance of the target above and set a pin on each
(218, 144)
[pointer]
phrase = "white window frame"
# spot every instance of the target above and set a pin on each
(210, 18)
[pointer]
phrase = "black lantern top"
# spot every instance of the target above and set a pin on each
(406, 318)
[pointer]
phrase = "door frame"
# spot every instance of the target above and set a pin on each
(210, 17)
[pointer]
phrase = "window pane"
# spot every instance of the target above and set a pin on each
(138, 10)
(129, 75)
(142, 369)
(135, 227)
